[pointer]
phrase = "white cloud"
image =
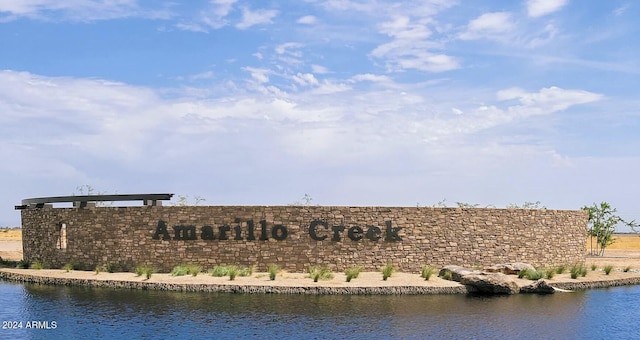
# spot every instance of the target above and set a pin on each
(214, 17)
(257, 17)
(319, 69)
(307, 20)
(80, 10)
(539, 8)
(411, 48)
(547, 100)
(489, 26)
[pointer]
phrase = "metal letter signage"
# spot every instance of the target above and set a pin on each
(245, 230)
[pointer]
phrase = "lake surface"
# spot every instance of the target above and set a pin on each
(109, 313)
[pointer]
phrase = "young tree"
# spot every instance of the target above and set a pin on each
(602, 225)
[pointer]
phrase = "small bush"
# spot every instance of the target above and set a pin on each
(352, 273)
(193, 269)
(273, 271)
(179, 270)
(626, 269)
(247, 271)
(233, 272)
(68, 267)
(147, 272)
(426, 272)
(549, 273)
(112, 267)
(521, 274)
(594, 267)
(387, 270)
(531, 274)
(143, 269)
(37, 264)
(322, 273)
(98, 269)
(607, 269)
(219, 271)
(561, 269)
(578, 269)
(447, 276)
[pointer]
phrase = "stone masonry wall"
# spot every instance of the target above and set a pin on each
(299, 236)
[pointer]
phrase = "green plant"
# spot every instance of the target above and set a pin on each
(549, 273)
(531, 274)
(147, 272)
(561, 269)
(578, 269)
(607, 269)
(447, 275)
(219, 271)
(246, 271)
(193, 269)
(352, 272)
(320, 273)
(179, 270)
(626, 269)
(98, 269)
(143, 269)
(37, 264)
(68, 267)
(22, 264)
(273, 270)
(387, 270)
(233, 272)
(111, 267)
(594, 267)
(426, 272)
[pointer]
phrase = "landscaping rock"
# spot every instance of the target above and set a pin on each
(510, 268)
(539, 287)
(457, 272)
(490, 283)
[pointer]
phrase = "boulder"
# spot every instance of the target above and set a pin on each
(510, 268)
(539, 287)
(490, 283)
(457, 272)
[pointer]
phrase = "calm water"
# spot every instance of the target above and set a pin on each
(108, 313)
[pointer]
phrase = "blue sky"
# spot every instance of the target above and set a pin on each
(398, 103)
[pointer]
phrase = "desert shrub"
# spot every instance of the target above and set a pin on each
(233, 272)
(37, 264)
(531, 274)
(352, 273)
(193, 269)
(68, 267)
(426, 272)
(147, 272)
(387, 270)
(626, 269)
(179, 270)
(219, 271)
(561, 269)
(98, 269)
(447, 275)
(320, 273)
(143, 269)
(273, 271)
(607, 269)
(111, 267)
(578, 269)
(594, 267)
(246, 271)
(549, 273)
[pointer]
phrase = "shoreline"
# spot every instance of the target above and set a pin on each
(370, 283)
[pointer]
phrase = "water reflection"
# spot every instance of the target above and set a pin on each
(99, 312)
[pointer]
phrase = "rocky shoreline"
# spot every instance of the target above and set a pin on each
(292, 285)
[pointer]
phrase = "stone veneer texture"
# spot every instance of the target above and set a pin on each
(429, 236)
